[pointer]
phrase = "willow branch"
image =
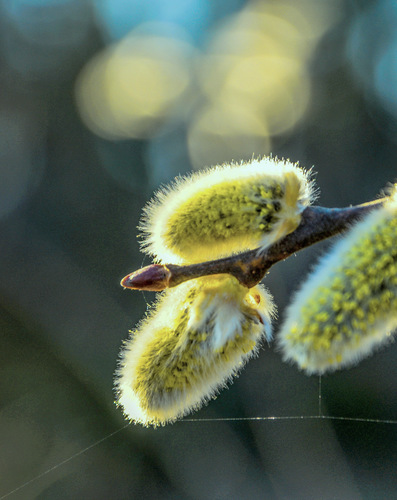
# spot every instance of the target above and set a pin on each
(317, 224)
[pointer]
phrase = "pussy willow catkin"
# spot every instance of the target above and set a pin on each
(198, 335)
(225, 209)
(348, 306)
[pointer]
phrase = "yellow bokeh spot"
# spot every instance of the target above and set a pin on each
(250, 83)
(257, 60)
(129, 88)
(225, 131)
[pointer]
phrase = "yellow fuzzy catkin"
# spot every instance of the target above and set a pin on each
(348, 306)
(197, 336)
(225, 209)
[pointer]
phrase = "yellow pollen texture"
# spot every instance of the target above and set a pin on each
(349, 304)
(195, 339)
(225, 209)
(178, 360)
(224, 212)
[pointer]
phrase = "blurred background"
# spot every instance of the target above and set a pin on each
(102, 101)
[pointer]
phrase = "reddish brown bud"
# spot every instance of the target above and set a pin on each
(153, 278)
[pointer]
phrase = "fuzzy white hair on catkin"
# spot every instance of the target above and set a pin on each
(228, 320)
(315, 362)
(167, 407)
(227, 324)
(165, 202)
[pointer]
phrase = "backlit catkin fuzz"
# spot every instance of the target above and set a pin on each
(225, 209)
(348, 306)
(196, 337)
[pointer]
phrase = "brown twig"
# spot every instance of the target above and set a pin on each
(317, 224)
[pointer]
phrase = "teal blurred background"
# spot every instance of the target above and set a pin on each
(102, 101)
